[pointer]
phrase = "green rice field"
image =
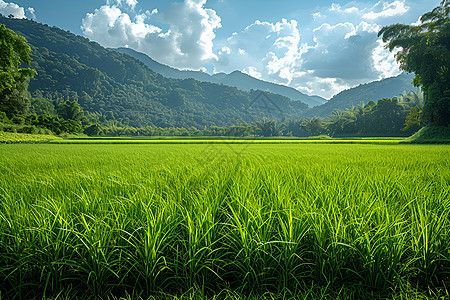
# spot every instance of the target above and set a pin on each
(265, 220)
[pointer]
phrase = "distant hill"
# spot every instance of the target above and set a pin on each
(236, 79)
(362, 94)
(117, 87)
(246, 82)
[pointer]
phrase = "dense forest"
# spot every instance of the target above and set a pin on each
(388, 117)
(236, 79)
(362, 94)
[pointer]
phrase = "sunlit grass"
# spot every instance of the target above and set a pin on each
(9, 137)
(227, 140)
(230, 220)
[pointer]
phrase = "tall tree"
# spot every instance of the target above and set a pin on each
(14, 52)
(425, 50)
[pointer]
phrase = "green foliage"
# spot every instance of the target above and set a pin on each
(387, 117)
(267, 128)
(14, 51)
(412, 121)
(430, 135)
(362, 94)
(70, 110)
(42, 106)
(425, 50)
(8, 137)
(412, 98)
(273, 221)
(314, 126)
(93, 130)
(43, 124)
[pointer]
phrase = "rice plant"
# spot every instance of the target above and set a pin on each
(151, 221)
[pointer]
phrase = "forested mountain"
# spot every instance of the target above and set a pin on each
(362, 94)
(113, 86)
(236, 79)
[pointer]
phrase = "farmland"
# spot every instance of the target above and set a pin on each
(241, 220)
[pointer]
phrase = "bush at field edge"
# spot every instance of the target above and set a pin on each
(10, 137)
(430, 135)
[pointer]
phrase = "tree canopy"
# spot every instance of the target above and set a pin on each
(425, 50)
(14, 51)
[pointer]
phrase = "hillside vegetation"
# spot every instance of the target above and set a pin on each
(362, 94)
(236, 79)
(430, 135)
(114, 86)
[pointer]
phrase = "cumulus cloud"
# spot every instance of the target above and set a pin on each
(252, 72)
(384, 9)
(384, 61)
(341, 55)
(8, 9)
(325, 87)
(344, 55)
(188, 42)
(266, 50)
(342, 51)
(130, 3)
(338, 50)
(366, 11)
(31, 12)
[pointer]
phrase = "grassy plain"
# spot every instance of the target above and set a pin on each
(342, 221)
(228, 140)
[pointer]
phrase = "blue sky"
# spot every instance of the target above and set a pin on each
(317, 46)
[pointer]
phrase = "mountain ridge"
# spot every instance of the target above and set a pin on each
(236, 79)
(363, 93)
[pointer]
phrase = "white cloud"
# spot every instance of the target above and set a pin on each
(384, 61)
(341, 55)
(267, 50)
(366, 11)
(351, 10)
(131, 3)
(384, 9)
(335, 7)
(32, 12)
(337, 50)
(325, 87)
(188, 42)
(418, 22)
(7, 9)
(252, 71)
(119, 3)
(342, 51)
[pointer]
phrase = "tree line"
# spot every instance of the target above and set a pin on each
(399, 116)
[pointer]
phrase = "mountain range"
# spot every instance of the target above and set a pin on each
(236, 79)
(362, 94)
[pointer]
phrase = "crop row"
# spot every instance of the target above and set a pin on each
(144, 219)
